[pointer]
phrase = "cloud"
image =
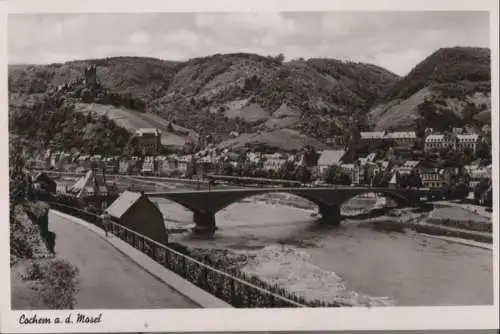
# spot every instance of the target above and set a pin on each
(139, 38)
(272, 23)
(395, 40)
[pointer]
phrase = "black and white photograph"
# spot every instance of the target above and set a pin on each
(250, 160)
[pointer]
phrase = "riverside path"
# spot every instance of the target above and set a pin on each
(108, 278)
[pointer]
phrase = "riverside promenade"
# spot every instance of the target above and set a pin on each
(113, 275)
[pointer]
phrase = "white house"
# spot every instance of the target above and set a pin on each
(467, 141)
(329, 158)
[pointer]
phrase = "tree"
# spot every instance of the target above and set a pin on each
(460, 191)
(483, 151)
(260, 172)
(480, 188)
(310, 156)
(86, 95)
(413, 179)
(335, 175)
(228, 169)
(280, 58)
(170, 127)
(286, 171)
(380, 179)
(303, 174)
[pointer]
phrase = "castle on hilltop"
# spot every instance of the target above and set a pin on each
(90, 75)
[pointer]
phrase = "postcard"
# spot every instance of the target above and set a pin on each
(226, 166)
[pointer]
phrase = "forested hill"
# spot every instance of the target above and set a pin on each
(451, 87)
(223, 93)
(249, 93)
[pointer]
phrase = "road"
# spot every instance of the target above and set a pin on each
(109, 279)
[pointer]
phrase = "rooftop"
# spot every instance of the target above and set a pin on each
(150, 131)
(330, 157)
(123, 203)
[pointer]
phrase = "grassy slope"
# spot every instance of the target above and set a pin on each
(131, 121)
(286, 139)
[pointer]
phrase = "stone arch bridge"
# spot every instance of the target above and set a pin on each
(206, 203)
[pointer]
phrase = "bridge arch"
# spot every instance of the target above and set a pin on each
(311, 199)
(401, 200)
(222, 200)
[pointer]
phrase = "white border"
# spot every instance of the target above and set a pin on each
(397, 318)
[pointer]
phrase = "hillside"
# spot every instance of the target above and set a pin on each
(145, 78)
(172, 134)
(218, 94)
(452, 85)
(284, 139)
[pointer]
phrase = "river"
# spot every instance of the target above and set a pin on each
(354, 262)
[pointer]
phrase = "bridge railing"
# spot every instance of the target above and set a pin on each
(236, 291)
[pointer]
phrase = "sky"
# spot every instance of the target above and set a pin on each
(394, 40)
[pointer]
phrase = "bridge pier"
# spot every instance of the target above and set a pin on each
(205, 223)
(330, 214)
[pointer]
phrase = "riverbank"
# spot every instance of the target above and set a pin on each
(449, 221)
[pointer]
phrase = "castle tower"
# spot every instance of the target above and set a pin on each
(90, 75)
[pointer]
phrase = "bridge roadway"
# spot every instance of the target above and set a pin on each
(108, 278)
(206, 203)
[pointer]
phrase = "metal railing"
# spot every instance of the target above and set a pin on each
(236, 291)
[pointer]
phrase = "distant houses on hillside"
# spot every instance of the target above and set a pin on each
(374, 167)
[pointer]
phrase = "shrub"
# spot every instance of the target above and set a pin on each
(57, 283)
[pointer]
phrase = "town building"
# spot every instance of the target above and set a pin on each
(467, 142)
(433, 177)
(399, 138)
(148, 166)
(168, 165)
(209, 164)
(274, 161)
(92, 184)
(111, 165)
(373, 138)
(408, 167)
(402, 138)
(183, 164)
(149, 140)
(337, 141)
(135, 165)
(137, 213)
(393, 182)
(352, 171)
(440, 141)
(124, 166)
(365, 168)
(80, 170)
(329, 158)
(452, 141)
(477, 174)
